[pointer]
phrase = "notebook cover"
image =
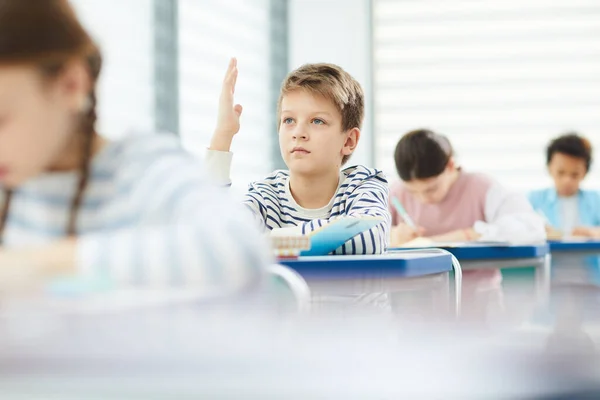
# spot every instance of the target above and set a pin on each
(331, 236)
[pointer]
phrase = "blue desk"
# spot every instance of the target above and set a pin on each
(480, 256)
(573, 246)
(370, 275)
(575, 281)
(576, 262)
(478, 252)
(397, 264)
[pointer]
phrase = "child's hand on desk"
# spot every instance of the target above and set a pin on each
(552, 233)
(459, 235)
(586, 231)
(228, 120)
(403, 233)
(27, 269)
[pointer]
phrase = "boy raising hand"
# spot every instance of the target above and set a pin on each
(320, 113)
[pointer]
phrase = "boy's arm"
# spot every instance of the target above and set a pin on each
(228, 119)
(218, 166)
(218, 156)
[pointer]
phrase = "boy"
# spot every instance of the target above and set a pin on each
(569, 208)
(320, 113)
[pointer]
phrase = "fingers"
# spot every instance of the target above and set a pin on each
(234, 76)
(238, 109)
(230, 68)
(230, 77)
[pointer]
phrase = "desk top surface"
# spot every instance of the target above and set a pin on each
(477, 251)
(398, 263)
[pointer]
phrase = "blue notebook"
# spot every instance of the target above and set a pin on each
(331, 236)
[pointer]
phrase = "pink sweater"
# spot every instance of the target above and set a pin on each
(463, 206)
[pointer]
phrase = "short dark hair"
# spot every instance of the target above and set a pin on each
(573, 145)
(422, 154)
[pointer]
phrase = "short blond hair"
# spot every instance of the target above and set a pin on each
(333, 83)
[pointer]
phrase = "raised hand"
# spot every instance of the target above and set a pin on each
(228, 119)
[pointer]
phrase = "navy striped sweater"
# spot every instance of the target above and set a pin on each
(361, 192)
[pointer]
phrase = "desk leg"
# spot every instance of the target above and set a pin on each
(457, 286)
(457, 275)
(542, 280)
(295, 283)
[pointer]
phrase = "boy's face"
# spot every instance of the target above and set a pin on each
(311, 139)
(567, 172)
(35, 122)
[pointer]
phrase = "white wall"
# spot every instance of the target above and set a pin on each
(335, 31)
(123, 30)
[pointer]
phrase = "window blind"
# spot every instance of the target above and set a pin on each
(499, 78)
(210, 32)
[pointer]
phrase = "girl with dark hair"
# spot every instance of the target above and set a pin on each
(75, 205)
(450, 204)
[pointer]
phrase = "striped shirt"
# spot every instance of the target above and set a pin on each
(361, 192)
(149, 218)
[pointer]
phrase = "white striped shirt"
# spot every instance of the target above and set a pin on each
(361, 192)
(149, 218)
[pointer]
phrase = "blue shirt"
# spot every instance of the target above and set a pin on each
(588, 201)
(547, 201)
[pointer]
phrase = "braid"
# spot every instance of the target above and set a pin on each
(88, 129)
(4, 213)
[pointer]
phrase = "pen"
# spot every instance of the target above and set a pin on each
(402, 212)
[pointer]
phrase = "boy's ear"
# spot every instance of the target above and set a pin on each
(451, 164)
(352, 138)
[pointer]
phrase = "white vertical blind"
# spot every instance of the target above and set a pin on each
(123, 30)
(212, 31)
(500, 78)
